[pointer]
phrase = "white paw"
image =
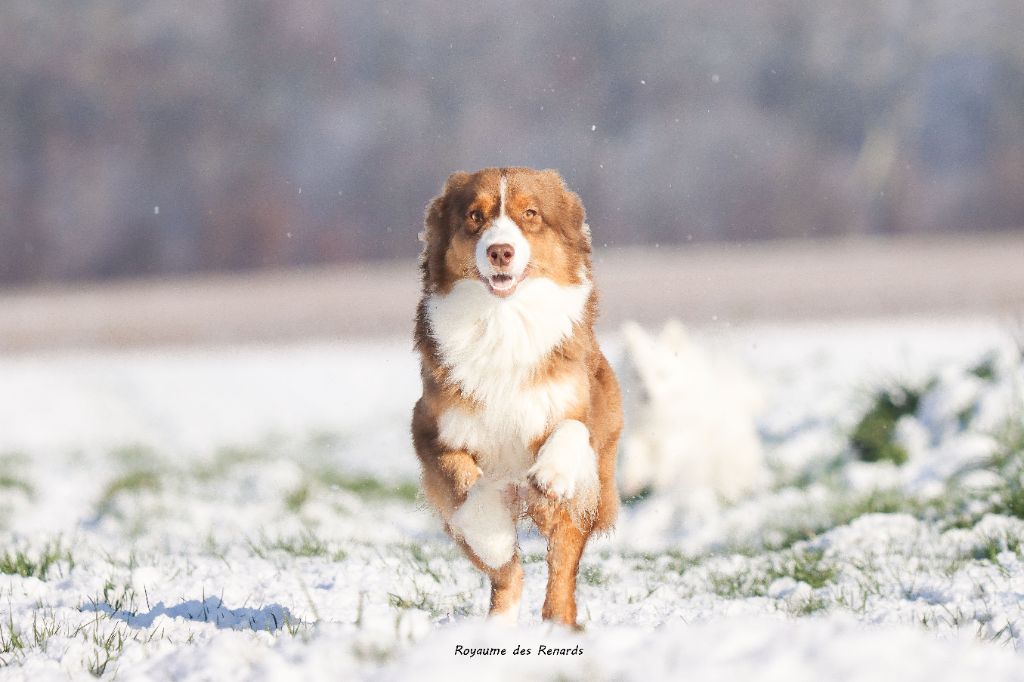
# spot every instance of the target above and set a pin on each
(552, 481)
(486, 523)
(566, 466)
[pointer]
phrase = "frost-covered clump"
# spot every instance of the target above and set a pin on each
(948, 432)
(691, 420)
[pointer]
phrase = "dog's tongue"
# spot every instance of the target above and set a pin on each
(502, 282)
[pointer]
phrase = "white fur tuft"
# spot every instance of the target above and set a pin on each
(486, 522)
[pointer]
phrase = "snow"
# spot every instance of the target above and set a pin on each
(245, 513)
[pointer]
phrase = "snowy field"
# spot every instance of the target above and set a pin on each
(251, 513)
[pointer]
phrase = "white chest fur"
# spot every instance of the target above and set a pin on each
(492, 347)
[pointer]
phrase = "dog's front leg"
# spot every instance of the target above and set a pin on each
(564, 506)
(487, 523)
(478, 514)
(485, 527)
(506, 578)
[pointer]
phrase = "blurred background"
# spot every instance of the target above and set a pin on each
(812, 210)
(155, 145)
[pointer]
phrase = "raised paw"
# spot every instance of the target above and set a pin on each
(486, 524)
(462, 471)
(550, 481)
(566, 465)
(467, 479)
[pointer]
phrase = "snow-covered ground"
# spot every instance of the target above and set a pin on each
(250, 513)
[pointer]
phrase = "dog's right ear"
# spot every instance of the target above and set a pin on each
(435, 209)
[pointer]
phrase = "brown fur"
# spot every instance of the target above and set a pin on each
(560, 248)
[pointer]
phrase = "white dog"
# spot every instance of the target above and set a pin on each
(690, 420)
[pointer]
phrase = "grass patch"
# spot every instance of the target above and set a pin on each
(842, 511)
(296, 499)
(44, 627)
(12, 643)
(134, 456)
(225, 459)
(326, 440)
(305, 544)
(369, 487)
(108, 646)
(810, 606)
(875, 502)
(131, 482)
(986, 367)
(738, 584)
(636, 499)
(807, 566)
(20, 562)
(421, 600)
(992, 547)
(593, 574)
(9, 480)
(1008, 464)
(420, 562)
(873, 438)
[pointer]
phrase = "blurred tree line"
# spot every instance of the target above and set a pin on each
(140, 136)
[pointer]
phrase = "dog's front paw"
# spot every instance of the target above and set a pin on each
(486, 524)
(466, 479)
(551, 481)
(566, 467)
(461, 470)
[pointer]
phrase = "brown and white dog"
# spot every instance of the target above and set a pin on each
(520, 412)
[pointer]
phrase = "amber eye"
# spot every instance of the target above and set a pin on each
(529, 213)
(477, 216)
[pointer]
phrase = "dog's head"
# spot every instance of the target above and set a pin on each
(502, 225)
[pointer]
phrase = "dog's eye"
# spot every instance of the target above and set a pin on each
(529, 213)
(477, 216)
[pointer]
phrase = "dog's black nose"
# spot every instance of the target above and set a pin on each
(500, 255)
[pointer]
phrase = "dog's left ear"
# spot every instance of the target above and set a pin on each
(572, 206)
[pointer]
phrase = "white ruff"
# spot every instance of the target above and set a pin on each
(491, 348)
(490, 344)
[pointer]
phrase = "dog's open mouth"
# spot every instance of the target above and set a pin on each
(503, 284)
